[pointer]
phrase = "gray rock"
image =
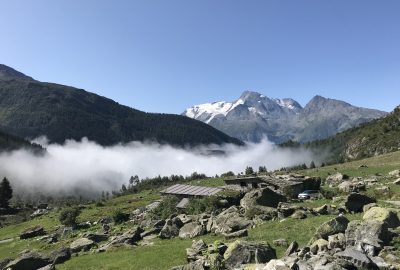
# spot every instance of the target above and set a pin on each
(293, 247)
(191, 230)
(261, 197)
(241, 252)
(299, 214)
(389, 216)
(368, 206)
(96, 237)
(229, 221)
(337, 241)
(29, 261)
(81, 244)
(333, 226)
(32, 232)
(241, 233)
(39, 212)
(355, 202)
(171, 228)
(61, 255)
(355, 257)
(368, 235)
(280, 242)
(319, 245)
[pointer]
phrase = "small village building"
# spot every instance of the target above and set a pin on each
(184, 192)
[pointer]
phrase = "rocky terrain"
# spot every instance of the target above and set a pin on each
(254, 116)
(354, 226)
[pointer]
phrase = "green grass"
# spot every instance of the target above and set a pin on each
(376, 165)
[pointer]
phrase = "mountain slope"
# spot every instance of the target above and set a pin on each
(254, 116)
(10, 143)
(370, 139)
(29, 108)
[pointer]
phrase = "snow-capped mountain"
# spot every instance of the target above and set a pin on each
(254, 116)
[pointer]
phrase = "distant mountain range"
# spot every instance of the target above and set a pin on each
(254, 116)
(29, 109)
(370, 139)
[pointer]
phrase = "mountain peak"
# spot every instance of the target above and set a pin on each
(7, 73)
(250, 95)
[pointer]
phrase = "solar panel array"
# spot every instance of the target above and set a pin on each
(179, 189)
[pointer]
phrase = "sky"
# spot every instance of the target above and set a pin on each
(165, 56)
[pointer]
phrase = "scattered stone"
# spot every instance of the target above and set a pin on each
(229, 221)
(96, 237)
(191, 230)
(368, 206)
(299, 214)
(355, 202)
(292, 248)
(386, 215)
(241, 252)
(357, 258)
(262, 197)
(368, 235)
(81, 244)
(334, 180)
(337, 241)
(171, 228)
(241, 233)
(28, 261)
(319, 245)
(39, 212)
(280, 242)
(333, 226)
(395, 173)
(60, 256)
(32, 232)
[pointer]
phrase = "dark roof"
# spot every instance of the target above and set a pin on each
(179, 189)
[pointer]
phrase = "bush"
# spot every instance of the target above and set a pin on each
(69, 216)
(329, 192)
(202, 205)
(120, 217)
(166, 208)
(252, 212)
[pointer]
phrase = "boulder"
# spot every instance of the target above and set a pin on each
(32, 232)
(39, 212)
(368, 206)
(81, 244)
(127, 238)
(241, 252)
(61, 255)
(191, 230)
(299, 214)
(355, 202)
(368, 235)
(336, 179)
(196, 250)
(396, 182)
(331, 227)
(319, 245)
(171, 228)
(29, 261)
(229, 221)
(350, 186)
(241, 233)
(261, 197)
(292, 248)
(389, 216)
(356, 258)
(96, 237)
(337, 241)
(280, 242)
(395, 173)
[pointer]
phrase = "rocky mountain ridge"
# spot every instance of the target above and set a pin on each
(254, 116)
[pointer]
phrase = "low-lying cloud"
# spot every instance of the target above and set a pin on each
(86, 166)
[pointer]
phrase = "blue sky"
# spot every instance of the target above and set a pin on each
(164, 56)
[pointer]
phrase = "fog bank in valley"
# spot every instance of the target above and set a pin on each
(86, 166)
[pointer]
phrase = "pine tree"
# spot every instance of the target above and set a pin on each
(312, 165)
(5, 193)
(249, 170)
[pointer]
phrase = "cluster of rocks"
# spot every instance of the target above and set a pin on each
(343, 244)
(201, 256)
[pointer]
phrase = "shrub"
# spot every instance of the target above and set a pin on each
(69, 216)
(202, 205)
(166, 208)
(329, 192)
(120, 217)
